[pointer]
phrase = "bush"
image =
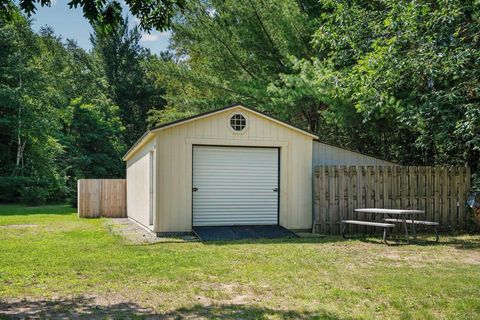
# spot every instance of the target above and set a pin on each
(33, 195)
(11, 186)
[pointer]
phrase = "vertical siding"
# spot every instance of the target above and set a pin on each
(138, 184)
(174, 163)
(327, 155)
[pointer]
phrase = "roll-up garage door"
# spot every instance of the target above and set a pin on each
(235, 186)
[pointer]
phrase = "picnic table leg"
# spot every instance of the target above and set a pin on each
(394, 230)
(385, 235)
(372, 228)
(344, 227)
(413, 227)
(404, 221)
(436, 233)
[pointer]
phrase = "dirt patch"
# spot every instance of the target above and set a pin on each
(230, 294)
(18, 226)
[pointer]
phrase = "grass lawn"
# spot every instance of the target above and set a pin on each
(56, 264)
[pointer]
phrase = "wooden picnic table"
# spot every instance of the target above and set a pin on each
(404, 215)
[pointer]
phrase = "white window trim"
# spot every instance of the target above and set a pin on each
(246, 122)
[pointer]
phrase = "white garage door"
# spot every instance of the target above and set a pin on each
(235, 186)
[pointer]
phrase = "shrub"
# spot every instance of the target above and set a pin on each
(33, 195)
(11, 186)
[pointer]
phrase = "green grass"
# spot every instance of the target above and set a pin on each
(64, 265)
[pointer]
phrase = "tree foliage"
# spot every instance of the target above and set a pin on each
(66, 113)
(397, 79)
(415, 65)
(107, 15)
(125, 65)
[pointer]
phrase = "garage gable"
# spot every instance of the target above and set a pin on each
(227, 122)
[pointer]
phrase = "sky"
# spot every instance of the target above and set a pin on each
(70, 24)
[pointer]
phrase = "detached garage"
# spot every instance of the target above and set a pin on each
(234, 166)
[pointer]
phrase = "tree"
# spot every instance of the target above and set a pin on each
(231, 51)
(93, 142)
(125, 65)
(397, 79)
(416, 66)
(108, 14)
(57, 121)
(27, 117)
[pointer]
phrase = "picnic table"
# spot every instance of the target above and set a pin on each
(406, 216)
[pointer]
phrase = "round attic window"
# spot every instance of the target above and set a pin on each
(238, 122)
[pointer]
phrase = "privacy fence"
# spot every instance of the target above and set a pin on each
(102, 198)
(440, 191)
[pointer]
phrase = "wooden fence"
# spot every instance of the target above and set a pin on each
(102, 198)
(440, 191)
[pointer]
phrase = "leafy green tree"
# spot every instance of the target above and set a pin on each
(125, 66)
(28, 120)
(94, 144)
(415, 65)
(57, 121)
(228, 51)
(108, 14)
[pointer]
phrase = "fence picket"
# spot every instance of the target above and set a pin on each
(316, 200)
(452, 197)
(444, 183)
(322, 199)
(467, 211)
(461, 204)
(342, 214)
(359, 192)
(429, 194)
(350, 192)
(387, 187)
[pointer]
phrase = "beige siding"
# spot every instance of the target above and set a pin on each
(328, 155)
(138, 184)
(174, 163)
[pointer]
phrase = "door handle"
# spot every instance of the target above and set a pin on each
(275, 189)
(194, 189)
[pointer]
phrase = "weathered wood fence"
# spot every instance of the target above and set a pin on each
(102, 198)
(440, 191)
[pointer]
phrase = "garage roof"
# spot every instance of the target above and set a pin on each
(152, 131)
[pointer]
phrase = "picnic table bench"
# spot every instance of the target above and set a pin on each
(432, 224)
(385, 226)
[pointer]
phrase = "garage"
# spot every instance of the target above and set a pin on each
(234, 168)
(235, 186)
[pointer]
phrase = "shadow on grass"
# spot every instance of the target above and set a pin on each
(300, 240)
(23, 210)
(424, 240)
(460, 243)
(86, 308)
